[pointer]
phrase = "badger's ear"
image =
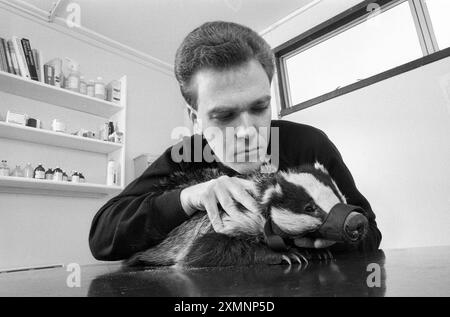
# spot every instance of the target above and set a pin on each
(320, 167)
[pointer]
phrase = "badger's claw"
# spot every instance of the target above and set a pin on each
(296, 258)
(330, 254)
(286, 258)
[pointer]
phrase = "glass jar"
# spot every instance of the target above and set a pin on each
(17, 172)
(58, 174)
(4, 169)
(49, 174)
(39, 172)
(72, 81)
(82, 179)
(28, 171)
(75, 177)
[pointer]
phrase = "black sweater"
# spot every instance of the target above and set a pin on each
(136, 219)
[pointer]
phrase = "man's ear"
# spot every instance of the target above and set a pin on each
(192, 113)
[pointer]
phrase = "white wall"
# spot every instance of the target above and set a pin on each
(38, 230)
(394, 137)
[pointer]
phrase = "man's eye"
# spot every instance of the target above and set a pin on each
(260, 109)
(224, 117)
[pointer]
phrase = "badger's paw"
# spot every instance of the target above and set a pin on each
(292, 257)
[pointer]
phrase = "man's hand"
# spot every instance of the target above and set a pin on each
(224, 190)
(313, 243)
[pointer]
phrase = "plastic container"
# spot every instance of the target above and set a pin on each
(90, 88)
(111, 175)
(83, 86)
(56, 63)
(82, 178)
(100, 89)
(113, 91)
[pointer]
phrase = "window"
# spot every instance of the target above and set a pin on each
(439, 15)
(360, 47)
(371, 47)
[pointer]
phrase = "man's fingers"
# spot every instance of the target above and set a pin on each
(225, 200)
(313, 243)
(242, 196)
(247, 184)
(210, 204)
(321, 243)
(304, 243)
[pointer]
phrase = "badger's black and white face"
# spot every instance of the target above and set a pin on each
(299, 200)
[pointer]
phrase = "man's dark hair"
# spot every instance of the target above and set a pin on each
(219, 45)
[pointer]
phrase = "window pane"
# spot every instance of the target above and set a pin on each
(440, 18)
(383, 42)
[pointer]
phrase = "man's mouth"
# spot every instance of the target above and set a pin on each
(246, 151)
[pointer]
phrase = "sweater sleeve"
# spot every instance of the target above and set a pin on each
(137, 218)
(332, 159)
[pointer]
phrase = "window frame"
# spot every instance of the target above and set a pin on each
(341, 22)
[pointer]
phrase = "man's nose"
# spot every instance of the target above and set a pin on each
(245, 129)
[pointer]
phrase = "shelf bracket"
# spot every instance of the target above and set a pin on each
(52, 12)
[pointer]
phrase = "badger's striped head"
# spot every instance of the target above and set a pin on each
(300, 199)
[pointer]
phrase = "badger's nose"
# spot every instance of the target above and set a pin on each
(355, 226)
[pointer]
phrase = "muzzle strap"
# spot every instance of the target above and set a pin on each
(273, 240)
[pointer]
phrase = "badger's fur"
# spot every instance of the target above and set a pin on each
(297, 201)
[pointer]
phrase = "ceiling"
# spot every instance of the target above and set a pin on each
(156, 27)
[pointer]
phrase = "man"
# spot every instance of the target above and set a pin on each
(224, 71)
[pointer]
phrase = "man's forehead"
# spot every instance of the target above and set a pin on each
(235, 87)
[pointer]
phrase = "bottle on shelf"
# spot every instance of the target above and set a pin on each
(28, 171)
(4, 169)
(83, 86)
(113, 91)
(17, 172)
(65, 178)
(82, 179)
(111, 131)
(111, 175)
(49, 174)
(100, 89)
(39, 172)
(75, 177)
(73, 78)
(90, 88)
(58, 174)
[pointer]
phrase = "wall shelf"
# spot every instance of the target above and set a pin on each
(21, 185)
(32, 89)
(41, 136)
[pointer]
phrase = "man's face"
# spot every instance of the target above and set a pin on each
(234, 113)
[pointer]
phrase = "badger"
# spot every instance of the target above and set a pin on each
(298, 202)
